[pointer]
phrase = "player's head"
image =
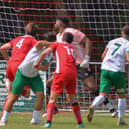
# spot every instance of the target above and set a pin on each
(125, 31)
(50, 36)
(61, 23)
(68, 37)
(32, 29)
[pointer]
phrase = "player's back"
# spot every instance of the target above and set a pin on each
(65, 58)
(20, 47)
(115, 56)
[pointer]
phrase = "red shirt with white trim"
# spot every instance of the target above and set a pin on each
(65, 60)
(20, 47)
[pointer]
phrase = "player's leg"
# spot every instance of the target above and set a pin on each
(105, 85)
(8, 86)
(50, 108)
(37, 108)
(87, 77)
(70, 90)
(8, 83)
(37, 87)
(8, 107)
(17, 87)
(110, 107)
(48, 84)
(90, 83)
(121, 109)
(76, 110)
(97, 101)
(56, 90)
(120, 86)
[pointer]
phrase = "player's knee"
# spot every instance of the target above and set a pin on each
(40, 96)
(12, 98)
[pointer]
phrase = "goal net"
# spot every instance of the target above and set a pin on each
(101, 20)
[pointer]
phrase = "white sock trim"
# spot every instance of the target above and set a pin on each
(121, 107)
(98, 100)
(36, 115)
(5, 116)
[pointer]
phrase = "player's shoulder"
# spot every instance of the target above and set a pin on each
(119, 40)
(75, 32)
(55, 44)
(115, 40)
(72, 30)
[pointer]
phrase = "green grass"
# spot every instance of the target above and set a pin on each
(64, 121)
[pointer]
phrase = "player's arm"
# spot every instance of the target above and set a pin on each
(42, 43)
(104, 53)
(43, 67)
(127, 56)
(86, 43)
(3, 50)
(41, 57)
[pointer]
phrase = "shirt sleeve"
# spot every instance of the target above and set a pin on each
(34, 42)
(108, 45)
(53, 46)
(12, 42)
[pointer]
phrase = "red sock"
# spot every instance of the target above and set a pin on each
(50, 109)
(77, 113)
(4, 105)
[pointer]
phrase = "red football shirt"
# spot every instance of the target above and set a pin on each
(65, 60)
(20, 47)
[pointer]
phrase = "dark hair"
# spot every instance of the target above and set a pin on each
(68, 37)
(64, 20)
(34, 29)
(125, 30)
(50, 36)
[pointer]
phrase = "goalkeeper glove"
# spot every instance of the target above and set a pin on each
(85, 62)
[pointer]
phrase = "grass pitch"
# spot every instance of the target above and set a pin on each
(64, 121)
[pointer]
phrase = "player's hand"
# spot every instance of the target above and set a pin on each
(85, 62)
(36, 66)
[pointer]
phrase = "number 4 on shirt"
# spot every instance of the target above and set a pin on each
(19, 44)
